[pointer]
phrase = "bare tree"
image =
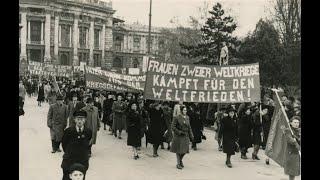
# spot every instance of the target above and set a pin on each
(287, 16)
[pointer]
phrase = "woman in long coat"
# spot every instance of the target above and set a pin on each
(292, 161)
(156, 127)
(182, 134)
(134, 129)
(228, 132)
(118, 109)
(92, 121)
(244, 131)
(196, 124)
(40, 98)
(107, 111)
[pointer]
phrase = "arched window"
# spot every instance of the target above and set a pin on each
(135, 63)
(117, 62)
(64, 59)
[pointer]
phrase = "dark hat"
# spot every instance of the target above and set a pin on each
(89, 100)
(59, 97)
(80, 113)
(230, 109)
(77, 167)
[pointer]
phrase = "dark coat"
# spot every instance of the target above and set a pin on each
(196, 123)
(119, 120)
(57, 121)
(134, 128)
(157, 125)
(228, 132)
(257, 128)
(182, 134)
(292, 159)
(107, 110)
(145, 121)
(167, 116)
(244, 131)
(75, 146)
(40, 94)
(266, 124)
(98, 105)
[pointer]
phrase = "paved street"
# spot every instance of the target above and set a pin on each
(112, 158)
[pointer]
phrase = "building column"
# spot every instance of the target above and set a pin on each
(103, 33)
(56, 38)
(47, 26)
(41, 38)
(91, 43)
(23, 34)
(29, 30)
(75, 41)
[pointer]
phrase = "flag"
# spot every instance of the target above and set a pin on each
(277, 144)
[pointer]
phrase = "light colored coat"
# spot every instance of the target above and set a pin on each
(57, 121)
(92, 121)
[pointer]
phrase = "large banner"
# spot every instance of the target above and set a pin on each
(37, 68)
(107, 80)
(204, 84)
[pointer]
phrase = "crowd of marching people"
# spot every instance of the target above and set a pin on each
(75, 115)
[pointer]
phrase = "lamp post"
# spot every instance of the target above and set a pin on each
(149, 35)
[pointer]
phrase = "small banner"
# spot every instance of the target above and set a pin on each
(37, 68)
(107, 80)
(203, 84)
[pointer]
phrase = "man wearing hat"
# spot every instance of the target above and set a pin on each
(75, 144)
(57, 122)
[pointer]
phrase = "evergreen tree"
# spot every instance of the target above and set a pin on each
(217, 29)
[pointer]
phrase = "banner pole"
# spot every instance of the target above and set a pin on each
(285, 114)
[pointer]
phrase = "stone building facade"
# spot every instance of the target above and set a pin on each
(68, 32)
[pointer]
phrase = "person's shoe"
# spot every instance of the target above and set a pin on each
(267, 161)
(243, 156)
(115, 134)
(138, 156)
(135, 157)
(229, 164)
(195, 148)
(155, 155)
(220, 148)
(179, 166)
(119, 137)
(53, 151)
(58, 150)
(257, 158)
(104, 128)
(168, 148)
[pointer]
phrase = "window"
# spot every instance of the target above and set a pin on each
(136, 43)
(83, 57)
(97, 60)
(65, 39)
(35, 55)
(35, 28)
(135, 63)
(64, 58)
(83, 36)
(117, 43)
(117, 62)
(97, 38)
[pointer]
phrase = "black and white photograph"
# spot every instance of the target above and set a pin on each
(159, 89)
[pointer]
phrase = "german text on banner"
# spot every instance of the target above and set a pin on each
(204, 84)
(276, 144)
(107, 80)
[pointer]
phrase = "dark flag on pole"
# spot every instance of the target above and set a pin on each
(276, 147)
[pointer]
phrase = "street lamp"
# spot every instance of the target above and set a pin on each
(149, 36)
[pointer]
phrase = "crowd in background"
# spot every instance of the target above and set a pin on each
(238, 126)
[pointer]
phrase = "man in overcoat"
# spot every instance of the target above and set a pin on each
(92, 122)
(57, 122)
(72, 108)
(75, 144)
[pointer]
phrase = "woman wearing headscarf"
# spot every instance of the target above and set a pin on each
(228, 133)
(134, 128)
(182, 134)
(118, 109)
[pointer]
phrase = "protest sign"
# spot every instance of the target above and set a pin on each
(204, 84)
(37, 68)
(107, 80)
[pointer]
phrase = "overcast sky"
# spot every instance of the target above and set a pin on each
(246, 12)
